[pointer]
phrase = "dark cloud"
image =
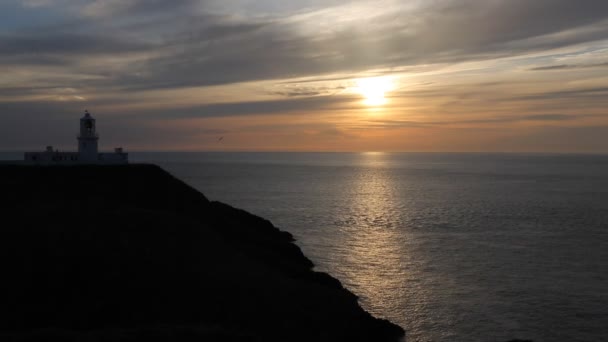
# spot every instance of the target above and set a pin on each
(303, 105)
(34, 59)
(567, 66)
(64, 44)
(596, 92)
(308, 91)
(494, 120)
(297, 93)
(481, 23)
(112, 8)
(552, 117)
(519, 118)
(450, 32)
(194, 48)
(551, 67)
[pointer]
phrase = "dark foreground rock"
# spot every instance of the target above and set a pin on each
(130, 253)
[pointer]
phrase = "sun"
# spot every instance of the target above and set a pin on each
(374, 89)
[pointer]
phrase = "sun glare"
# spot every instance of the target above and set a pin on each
(374, 89)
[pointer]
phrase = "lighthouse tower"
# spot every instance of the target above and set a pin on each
(87, 149)
(87, 140)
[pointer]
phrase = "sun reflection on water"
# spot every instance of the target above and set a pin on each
(373, 254)
(376, 259)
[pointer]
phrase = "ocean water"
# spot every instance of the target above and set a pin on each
(453, 247)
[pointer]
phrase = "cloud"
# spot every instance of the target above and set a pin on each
(189, 46)
(64, 44)
(110, 8)
(567, 66)
(116, 51)
(552, 67)
(37, 3)
(552, 117)
(595, 92)
(303, 105)
(377, 123)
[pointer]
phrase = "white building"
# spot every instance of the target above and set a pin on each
(87, 149)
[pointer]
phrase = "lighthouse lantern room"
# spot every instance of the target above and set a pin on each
(87, 140)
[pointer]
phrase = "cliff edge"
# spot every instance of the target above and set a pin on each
(130, 253)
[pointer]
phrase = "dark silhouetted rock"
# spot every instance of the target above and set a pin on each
(130, 253)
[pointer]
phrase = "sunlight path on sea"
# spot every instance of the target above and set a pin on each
(377, 260)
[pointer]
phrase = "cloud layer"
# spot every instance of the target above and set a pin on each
(300, 57)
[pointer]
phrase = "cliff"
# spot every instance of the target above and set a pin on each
(130, 253)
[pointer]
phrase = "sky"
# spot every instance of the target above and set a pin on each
(307, 75)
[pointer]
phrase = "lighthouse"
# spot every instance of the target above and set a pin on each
(88, 151)
(87, 139)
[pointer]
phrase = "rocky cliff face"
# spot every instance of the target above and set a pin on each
(131, 253)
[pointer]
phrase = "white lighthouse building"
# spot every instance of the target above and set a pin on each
(88, 152)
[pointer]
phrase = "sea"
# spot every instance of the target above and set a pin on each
(451, 246)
